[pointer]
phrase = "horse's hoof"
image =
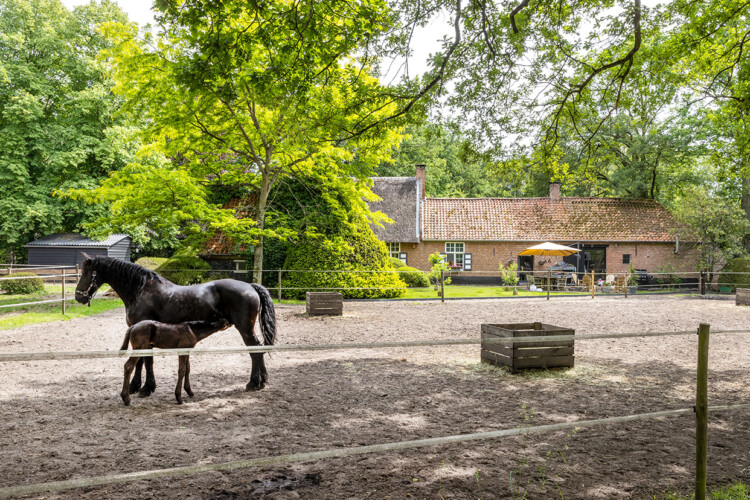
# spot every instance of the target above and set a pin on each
(189, 393)
(179, 401)
(144, 392)
(254, 386)
(132, 389)
(126, 399)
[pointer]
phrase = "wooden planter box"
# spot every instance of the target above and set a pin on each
(320, 303)
(545, 354)
(743, 297)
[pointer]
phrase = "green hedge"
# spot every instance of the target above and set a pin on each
(414, 278)
(185, 270)
(151, 263)
(396, 263)
(357, 251)
(24, 286)
(738, 265)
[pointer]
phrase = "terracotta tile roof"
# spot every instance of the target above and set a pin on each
(543, 219)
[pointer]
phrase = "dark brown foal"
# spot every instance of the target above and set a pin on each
(149, 334)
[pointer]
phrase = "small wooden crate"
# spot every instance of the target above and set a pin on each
(743, 297)
(320, 303)
(527, 354)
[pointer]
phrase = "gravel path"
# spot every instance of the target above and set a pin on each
(64, 419)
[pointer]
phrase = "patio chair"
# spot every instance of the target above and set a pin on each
(621, 284)
(573, 280)
(587, 282)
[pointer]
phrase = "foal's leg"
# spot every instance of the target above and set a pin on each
(180, 377)
(150, 385)
(135, 384)
(125, 394)
(188, 389)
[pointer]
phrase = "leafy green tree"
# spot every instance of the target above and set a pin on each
(330, 236)
(59, 122)
(716, 225)
(454, 168)
(437, 271)
(239, 96)
(510, 275)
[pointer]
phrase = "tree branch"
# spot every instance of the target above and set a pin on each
(515, 12)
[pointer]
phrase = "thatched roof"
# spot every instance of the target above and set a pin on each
(400, 202)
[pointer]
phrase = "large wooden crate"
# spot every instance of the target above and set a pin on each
(743, 297)
(545, 354)
(319, 303)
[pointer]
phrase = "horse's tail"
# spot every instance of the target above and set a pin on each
(267, 314)
(127, 340)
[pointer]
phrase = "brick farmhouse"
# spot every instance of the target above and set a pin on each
(476, 234)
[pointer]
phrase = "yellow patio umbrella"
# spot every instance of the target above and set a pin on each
(548, 248)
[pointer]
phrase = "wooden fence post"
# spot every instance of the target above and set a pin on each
(593, 284)
(442, 286)
(279, 286)
(549, 281)
(627, 283)
(702, 281)
(701, 414)
(63, 292)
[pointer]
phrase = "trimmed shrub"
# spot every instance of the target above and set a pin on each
(358, 251)
(414, 278)
(396, 263)
(24, 286)
(185, 270)
(738, 265)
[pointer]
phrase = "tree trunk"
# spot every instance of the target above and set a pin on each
(745, 204)
(265, 188)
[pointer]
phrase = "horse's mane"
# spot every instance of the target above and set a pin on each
(127, 278)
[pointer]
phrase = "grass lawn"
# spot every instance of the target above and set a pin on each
(14, 317)
(737, 491)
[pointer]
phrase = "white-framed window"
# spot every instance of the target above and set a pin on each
(394, 250)
(454, 254)
(240, 266)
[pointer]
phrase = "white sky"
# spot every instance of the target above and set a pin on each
(137, 10)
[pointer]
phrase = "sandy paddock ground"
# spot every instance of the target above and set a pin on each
(64, 419)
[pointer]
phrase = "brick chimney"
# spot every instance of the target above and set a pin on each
(554, 191)
(422, 178)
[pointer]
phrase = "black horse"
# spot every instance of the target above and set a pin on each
(149, 296)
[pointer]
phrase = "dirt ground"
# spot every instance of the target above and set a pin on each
(64, 419)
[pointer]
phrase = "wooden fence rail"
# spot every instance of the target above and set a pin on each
(701, 410)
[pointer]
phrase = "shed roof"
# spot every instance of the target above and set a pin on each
(76, 240)
(400, 202)
(545, 219)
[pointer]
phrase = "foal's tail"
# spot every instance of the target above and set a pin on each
(267, 314)
(127, 340)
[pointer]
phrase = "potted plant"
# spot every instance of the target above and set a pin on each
(632, 280)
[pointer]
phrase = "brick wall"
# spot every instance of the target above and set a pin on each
(487, 255)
